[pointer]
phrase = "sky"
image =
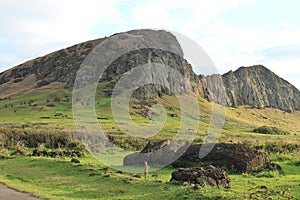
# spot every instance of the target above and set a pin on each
(233, 33)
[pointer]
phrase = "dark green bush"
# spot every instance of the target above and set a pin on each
(270, 130)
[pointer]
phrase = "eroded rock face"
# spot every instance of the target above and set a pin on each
(169, 73)
(259, 87)
(209, 175)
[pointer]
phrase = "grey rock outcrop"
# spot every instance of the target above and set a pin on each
(259, 87)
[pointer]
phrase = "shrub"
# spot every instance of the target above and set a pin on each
(20, 150)
(267, 174)
(76, 145)
(270, 130)
(4, 153)
(11, 137)
(50, 139)
(263, 192)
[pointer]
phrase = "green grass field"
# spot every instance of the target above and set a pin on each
(61, 179)
(58, 178)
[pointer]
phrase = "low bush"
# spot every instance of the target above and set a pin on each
(267, 174)
(270, 130)
(76, 145)
(11, 137)
(4, 153)
(50, 139)
(263, 192)
(20, 150)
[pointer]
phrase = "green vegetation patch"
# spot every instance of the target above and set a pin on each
(270, 130)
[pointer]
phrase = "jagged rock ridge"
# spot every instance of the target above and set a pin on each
(255, 86)
(259, 87)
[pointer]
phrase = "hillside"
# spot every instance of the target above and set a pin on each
(254, 86)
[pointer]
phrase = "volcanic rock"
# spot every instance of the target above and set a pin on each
(209, 175)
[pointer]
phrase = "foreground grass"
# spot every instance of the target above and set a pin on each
(61, 179)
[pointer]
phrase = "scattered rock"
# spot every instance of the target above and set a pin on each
(95, 174)
(209, 175)
(126, 180)
(136, 176)
(156, 175)
(54, 154)
(58, 114)
(173, 115)
(74, 160)
(106, 169)
(274, 166)
(196, 187)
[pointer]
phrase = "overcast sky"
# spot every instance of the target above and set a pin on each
(234, 33)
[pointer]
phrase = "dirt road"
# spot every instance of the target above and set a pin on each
(10, 194)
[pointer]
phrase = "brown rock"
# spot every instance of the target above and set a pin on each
(210, 175)
(236, 157)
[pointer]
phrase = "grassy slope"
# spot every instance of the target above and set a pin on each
(59, 179)
(238, 125)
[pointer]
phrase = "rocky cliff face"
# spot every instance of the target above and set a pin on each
(254, 86)
(259, 87)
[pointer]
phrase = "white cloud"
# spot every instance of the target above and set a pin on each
(58, 20)
(231, 47)
(38, 27)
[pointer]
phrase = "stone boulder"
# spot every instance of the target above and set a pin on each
(155, 153)
(236, 157)
(209, 175)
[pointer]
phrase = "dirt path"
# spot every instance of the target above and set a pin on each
(10, 194)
